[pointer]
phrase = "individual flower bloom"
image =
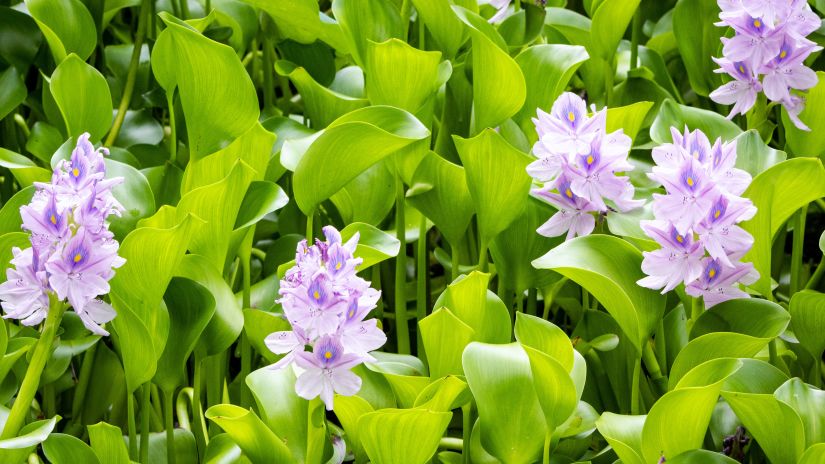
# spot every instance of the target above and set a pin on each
(567, 129)
(359, 336)
(721, 168)
(787, 71)
(314, 307)
(625, 202)
(327, 371)
(793, 106)
(23, 294)
(730, 8)
(574, 214)
(769, 11)
(501, 10)
(718, 283)
(548, 166)
(755, 41)
(288, 342)
(740, 92)
(81, 270)
(801, 19)
(46, 223)
(690, 193)
(718, 233)
(96, 313)
(592, 175)
(679, 260)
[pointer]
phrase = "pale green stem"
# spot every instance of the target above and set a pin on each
(797, 249)
(145, 409)
(402, 328)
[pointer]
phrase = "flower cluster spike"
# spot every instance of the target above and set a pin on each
(766, 54)
(696, 220)
(326, 304)
(73, 254)
(577, 163)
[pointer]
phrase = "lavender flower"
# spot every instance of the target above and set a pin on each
(696, 220)
(326, 304)
(578, 162)
(73, 253)
(769, 43)
(501, 10)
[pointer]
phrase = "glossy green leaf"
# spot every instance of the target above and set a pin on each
(107, 443)
(24, 170)
(629, 118)
(399, 435)
(445, 27)
(608, 268)
(624, 434)
(349, 410)
(12, 90)
(502, 384)
(546, 337)
(445, 336)
(698, 40)
(499, 89)
(300, 20)
(262, 198)
(139, 127)
(134, 194)
(257, 325)
(802, 142)
(369, 197)
(763, 415)
(20, 38)
(321, 104)
(223, 450)
(83, 97)
(360, 139)
(17, 449)
(610, 21)
(497, 180)
(366, 20)
(10, 220)
(807, 310)
(374, 245)
(199, 68)
(469, 300)
(256, 440)
(67, 26)
(753, 155)
(700, 456)
(777, 193)
(554, 387)
(809, 403)
(672, 114)
(444, 394)
(60, 448)
(813, 455)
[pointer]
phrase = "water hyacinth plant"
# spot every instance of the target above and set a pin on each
(412, 231)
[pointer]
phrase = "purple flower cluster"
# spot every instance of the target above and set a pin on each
(326, 304)
(767, 53)
(578, 162)
(696, 220)
(72, 253)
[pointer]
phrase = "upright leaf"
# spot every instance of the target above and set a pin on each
(698, 40)
(67, 26)
(402, 435)
(83, 97)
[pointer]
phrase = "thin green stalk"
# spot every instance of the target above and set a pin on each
(818, 372)
(199, 428)
(169, 425)
(173, 138)
(131, 76)
(376, 283)
(208, 7)
(519, 302)
(309, 227)
(532, 303)
(602, 382)
(608, 83)
(635, 403)
(772, 355)
(83, 383)
(652, 365)
(145, 416)
(421, 276)
(406, 7)
(634, 38)
(184, 9)
(454, 262)
(49, 400)
(548, 445)
(132, 426)
(21, 123)
(797, 248)
(820, 269)
(402, 328)
(585, 299)
(246, 348)
(466, 430)
(482, 255)
(42, 352)
(269, 70)
(157, 410)
(820, 203)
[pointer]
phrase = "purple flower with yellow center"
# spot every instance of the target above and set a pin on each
(593, 175)
(574, 214)
(287, 342)
(25, 291)
(755, 41)
(719, 283)
(690, 192)
(718, 232)
(679, 260)
(567, 129)
(742, 91)
(787, 71)
(327, 371)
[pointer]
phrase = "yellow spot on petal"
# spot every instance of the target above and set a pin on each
(75, 172)
(742, 69)
(77, 258)
(570, 116)
(351, 313)
(757, 23)
(690, 181)
(337, 266)
(590, 159)
(568, 193)
(316, 295)
(680, 239)
(783, 54)
(695, 155)
(716, 214)
(53, 219)
(327, 355)
(712, 273)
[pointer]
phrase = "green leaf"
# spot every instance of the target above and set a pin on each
(321, 104)
(67, 25)
(698, 40)
(139, 127)
(469, 300)
(262, 198)
(107, 443)
(257, 325)
(367, 198)
(808, 143)
(190, 306)
(398, 435)
(60, 448)
(499, 89)
(439, 191)
(700, 456)
(777, 193)
(807, 310)
(256, 440)
(444, 394)
(672, 114)
(445, 336)
(301, 21)
(16, 449)
(809, 403)
(134, 194)
(216, 113)
(20, 38)
(630, 118)
(374, 245)
(813, 455)
(502, 384)
(497, 180)
(222, 450)
(610, 21)
(753, 155)
(546, 337)
(359, 139)
(349, 409)
(763, 415)
(608, 268)
(554, 387)
(441, 21)
(83, 97)
(366, 20)
(10, 220)
(23, 169)
(624, 434)
(12, 91)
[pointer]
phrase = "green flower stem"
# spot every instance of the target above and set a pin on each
(184, 10)
(796, 253)
(482, 255)
(421, 276)
(818, 372)
(132, 426)
(467, 430)
(772, 355)
(634, 38)
(173, 138)
(532, 303)
(660, 347)
(169, 408)
(402, 328)
(635, 400)
(817, 275)
(308, 235)
(585, 299)
(454, 262)
(131, 76)
(42, 353)
(652, 365)
(376, 283)
(246, 348)
(145, 417)
(83, 384)
(199, 428)
(157, 411)
(269, 69)
(602, 381)
(451, 443)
